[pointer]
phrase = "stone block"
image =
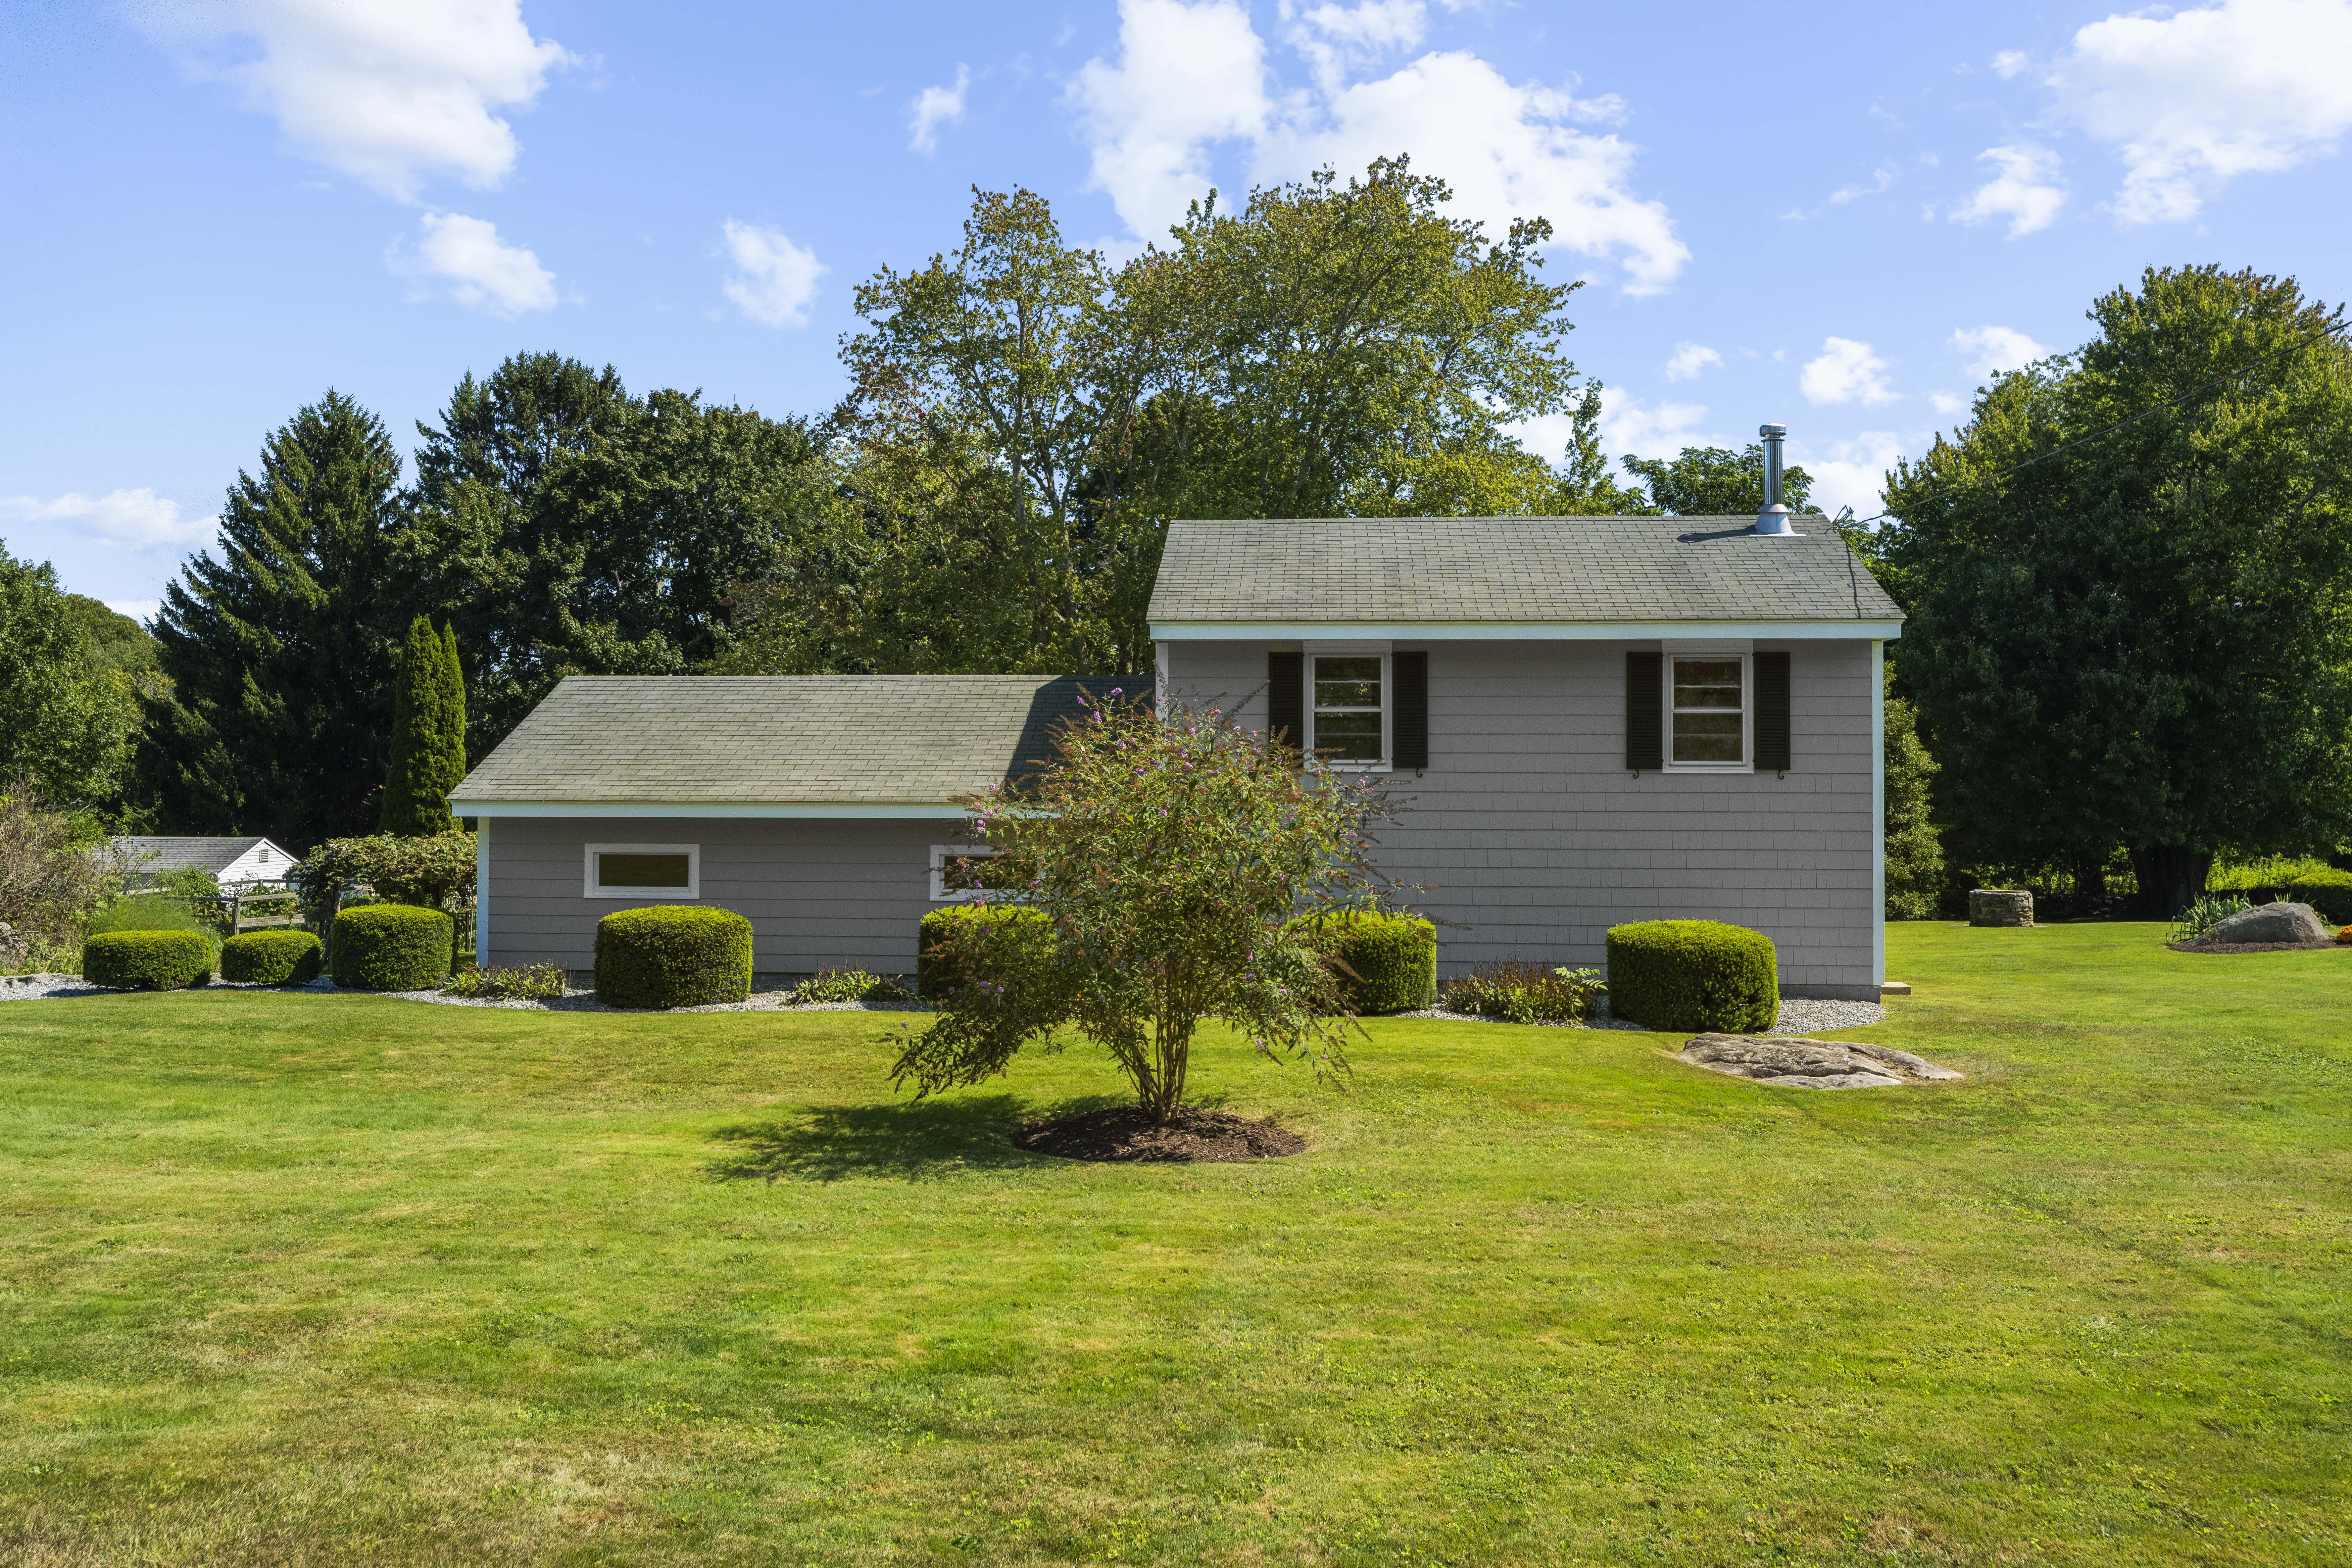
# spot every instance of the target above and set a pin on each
(1995, 906)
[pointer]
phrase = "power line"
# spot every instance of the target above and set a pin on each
(2336, 325)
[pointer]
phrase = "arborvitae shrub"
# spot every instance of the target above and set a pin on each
(1694, 976)
(1382, 963)
(673, 955)
(147, 960)
(942, 962)
(391, 947)
(271, 958)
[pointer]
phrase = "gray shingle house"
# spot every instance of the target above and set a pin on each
(1591, 720)
(245, 861)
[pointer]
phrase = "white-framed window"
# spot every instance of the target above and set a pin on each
(1349, 708)
(264, 852)
(643, 871)
(956, 873)
(1711, 711)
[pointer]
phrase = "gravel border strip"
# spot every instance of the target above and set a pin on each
(1799, 1015)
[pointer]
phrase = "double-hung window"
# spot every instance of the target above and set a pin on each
(1708, 710)
(1349, 715)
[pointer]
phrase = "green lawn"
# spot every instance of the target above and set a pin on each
(316, 1279)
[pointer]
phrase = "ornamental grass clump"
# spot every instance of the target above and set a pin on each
(2204, 914)
(1166, 857)
(1522, 992)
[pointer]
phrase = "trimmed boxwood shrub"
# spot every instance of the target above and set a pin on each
(1386, 964)
(1694, 976)
(147, 960)
(271, 958)
(940, 966)
(673, 955)
(391, 947)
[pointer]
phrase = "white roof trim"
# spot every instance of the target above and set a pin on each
(1525, 631)
(705, 808)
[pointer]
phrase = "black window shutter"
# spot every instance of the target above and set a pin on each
(1410, 673)
(1285, 699)
(1772, 712)
(1645, 745)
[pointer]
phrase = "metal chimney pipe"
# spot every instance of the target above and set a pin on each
(1774, 517)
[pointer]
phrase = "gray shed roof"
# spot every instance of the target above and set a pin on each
(149, 855)
(780, 739)
(1511, 569)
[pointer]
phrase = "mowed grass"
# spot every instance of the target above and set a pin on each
(318, 1279)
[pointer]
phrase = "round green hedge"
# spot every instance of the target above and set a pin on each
(391, 947)
(147, 960)
(673, 955)
(1384, 963)
(271, 958)
(942, 963)
(1694, 976)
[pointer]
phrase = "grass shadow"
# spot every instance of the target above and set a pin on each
(911, 1139)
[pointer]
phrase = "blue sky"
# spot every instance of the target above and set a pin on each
(1840, 216)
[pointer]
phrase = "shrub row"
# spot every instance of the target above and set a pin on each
(2327, 892)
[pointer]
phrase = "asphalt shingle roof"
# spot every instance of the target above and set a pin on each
(1511, 569)
(739, 739)
(149, 855)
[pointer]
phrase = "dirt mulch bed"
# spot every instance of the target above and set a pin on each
(1125, 1133)
(2260, 947)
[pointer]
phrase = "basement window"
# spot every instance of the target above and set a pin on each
(644, 871)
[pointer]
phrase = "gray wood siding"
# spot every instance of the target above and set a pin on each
(1533, 839)
(819, 893)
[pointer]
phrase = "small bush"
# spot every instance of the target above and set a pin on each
(850, 985)
(530, 982)
(1694, 976)
(1380, 962)
(2209, 911)
(391, 947)
(946, 956)
(673, 955)
(1527, 993)
(147, 960)
(152, 911)
(271, 958)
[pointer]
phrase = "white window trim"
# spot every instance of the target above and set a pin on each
(690, 892)
(1388, 704)
(943, 853)
(1746, 763)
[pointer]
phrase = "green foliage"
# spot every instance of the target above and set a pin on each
(428, 736)
(51, 873)
(391, 947)
(850, 985)
(1694, 976)
(199, 890)
(429, 871)
(2141, 638)
(2266, 872)
(2204, 914)
(277, 649)
(530, 983)
(66, 714)
(957, 944)
(142, 959)
(154, 911)
(1522, 992)
(1379, 963)
(1167, 853)
(673, 955)
(1714, 481)
(2325, 890)
(1915, 853)
(271, 958)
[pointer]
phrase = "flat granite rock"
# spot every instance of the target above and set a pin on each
(1810, 1064)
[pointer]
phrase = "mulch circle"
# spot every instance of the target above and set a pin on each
(1126, 1132)
(2258, 946)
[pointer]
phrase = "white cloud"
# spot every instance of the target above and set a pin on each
(1689, 360)
(1629, 427)
(1993, 351)
(2198, 97)
(2009, 63)
(935, 107)
(1846, 372)
(774, 280)
(1848, 473)
(389, 91)
(1191, 75)
(139, 518)
(2027, 191)
(140, 610)
(1947, 402)
(1880, 180)
(478, 267)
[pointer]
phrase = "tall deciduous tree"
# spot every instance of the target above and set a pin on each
(66, 713)
(279, 648)
(2136, 634)
(1715, 481)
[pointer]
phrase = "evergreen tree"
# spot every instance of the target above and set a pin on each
(428, 736)
(1915, 855)
(278, 650)
(447, 769)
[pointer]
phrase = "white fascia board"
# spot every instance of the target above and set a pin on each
(622, 808)
(1523, 631)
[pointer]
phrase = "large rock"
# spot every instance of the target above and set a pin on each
(1810, 1064)
(1999, 907)
(2269, 922)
